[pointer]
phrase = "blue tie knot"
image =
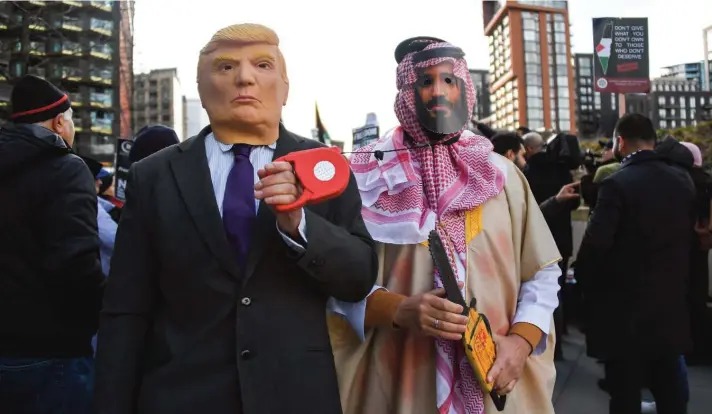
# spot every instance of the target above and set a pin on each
(242, 149)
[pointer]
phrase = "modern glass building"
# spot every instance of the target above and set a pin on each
(85, 48)
(531, 69)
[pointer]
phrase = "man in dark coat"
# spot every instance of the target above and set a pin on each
(546, 177)
(635, 255)
(216, 302)
(50, 273)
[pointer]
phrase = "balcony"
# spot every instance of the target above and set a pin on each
(70, 73)
(67, 48)
(104, 27)
(101, 75)
(38, 26)
(72, 3)
(101, 50)
(102, 100)
(37, 49)
(101, 122)
(101, 5)
(72, 24)
(76, 99)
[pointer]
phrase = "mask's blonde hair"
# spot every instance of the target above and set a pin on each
(245, 33)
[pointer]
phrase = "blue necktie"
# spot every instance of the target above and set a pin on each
(239, 202)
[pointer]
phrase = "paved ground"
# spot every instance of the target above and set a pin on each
(576, 391)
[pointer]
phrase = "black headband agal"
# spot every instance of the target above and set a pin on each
(440, 52)
(414, 44)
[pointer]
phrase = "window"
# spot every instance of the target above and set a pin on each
(531, 47)
(661, 100)
(532, 57)
(533, 69)
(529, 24)
(533, 91)
(533, 80)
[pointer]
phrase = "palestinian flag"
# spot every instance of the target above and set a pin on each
(603, 50)
(322, 135)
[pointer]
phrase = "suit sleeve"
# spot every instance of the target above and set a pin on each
(549, 208)
(340, 255)
(128, 304)
(71, 242)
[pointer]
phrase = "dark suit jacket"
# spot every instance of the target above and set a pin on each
(185, 330)
(634, 260)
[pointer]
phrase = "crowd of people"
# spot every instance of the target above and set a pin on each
(197, 293)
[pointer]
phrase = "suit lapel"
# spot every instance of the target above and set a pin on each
(266, 221)
(192, 175)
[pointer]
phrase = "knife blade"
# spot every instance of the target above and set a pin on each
(439, 255)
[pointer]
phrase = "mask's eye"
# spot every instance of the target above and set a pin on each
(425, 81)
(449, 80)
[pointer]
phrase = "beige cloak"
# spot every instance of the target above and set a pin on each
(393, 371)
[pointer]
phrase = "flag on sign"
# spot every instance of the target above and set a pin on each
(321, 133)
(603, 50)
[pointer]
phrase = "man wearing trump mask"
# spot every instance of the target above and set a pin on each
(216, 302)
(431, 174)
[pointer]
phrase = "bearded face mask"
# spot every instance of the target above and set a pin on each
(436, 95)
(440, 100)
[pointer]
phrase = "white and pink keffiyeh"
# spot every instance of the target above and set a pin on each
(407, 193)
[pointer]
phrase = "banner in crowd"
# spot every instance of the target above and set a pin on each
(621, 55)
(367, 133)
(121, 167)
(364, 136)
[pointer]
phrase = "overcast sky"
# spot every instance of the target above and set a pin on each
(340, 53)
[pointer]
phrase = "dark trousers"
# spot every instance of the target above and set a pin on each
(663, 376)
(46, 385)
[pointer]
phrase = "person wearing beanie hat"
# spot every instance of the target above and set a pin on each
(36, 101)
(151, 139)
(50, 268)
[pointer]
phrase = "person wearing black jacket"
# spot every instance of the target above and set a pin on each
(635, 256)
(546, 176)
(50, 273)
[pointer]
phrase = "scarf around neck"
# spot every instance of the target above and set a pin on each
(414, 190)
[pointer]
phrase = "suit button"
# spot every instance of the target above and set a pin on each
(246, 301)
(246, 354)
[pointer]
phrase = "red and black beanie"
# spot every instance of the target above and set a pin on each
(36, 100)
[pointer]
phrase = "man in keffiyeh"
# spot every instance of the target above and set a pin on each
(430, 173)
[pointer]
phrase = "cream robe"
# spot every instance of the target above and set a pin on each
(393, 371)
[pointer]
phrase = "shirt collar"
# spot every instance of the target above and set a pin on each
(228, 147)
